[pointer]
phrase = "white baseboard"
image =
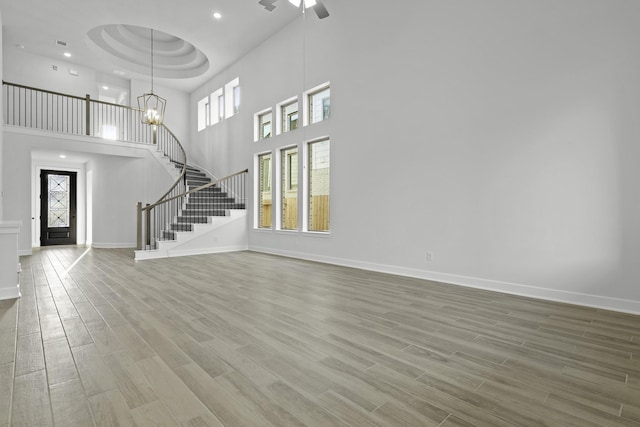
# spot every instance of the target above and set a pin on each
(25, 252)
(205, 251)
(588, 300)
(113, 245)
(10, 293)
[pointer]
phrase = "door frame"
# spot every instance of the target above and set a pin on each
(71, 229)
(37, 165)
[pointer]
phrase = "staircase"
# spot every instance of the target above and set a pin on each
(210, 220)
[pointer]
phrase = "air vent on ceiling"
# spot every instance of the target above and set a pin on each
(61, 43)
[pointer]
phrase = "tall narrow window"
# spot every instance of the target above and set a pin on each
(265, 127)
(289, 188)
(320, 105)
(290, 116)
(318, 180)
(221, 107)
(236, 99)
(264, 190)
(214, 111)
(232, 92)
(203, 113)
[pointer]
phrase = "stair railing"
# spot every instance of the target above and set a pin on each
(160, 221)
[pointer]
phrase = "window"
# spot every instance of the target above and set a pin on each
(289, 116)
(214, 111)
(232, 91)
(289, 188)
(320, 105)
(318, 186)
(236, 99)
(264, 125)
(203, 113)
(264, 190)
(221, 107)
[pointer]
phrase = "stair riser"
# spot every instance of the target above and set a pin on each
(192, 209)
(210, 200)
(199, 215)
(206, 191)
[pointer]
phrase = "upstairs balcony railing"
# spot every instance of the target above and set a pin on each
(34, 108)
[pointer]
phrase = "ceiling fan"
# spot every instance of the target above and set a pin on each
(317, 6)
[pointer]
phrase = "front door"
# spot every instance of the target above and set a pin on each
(57, 208)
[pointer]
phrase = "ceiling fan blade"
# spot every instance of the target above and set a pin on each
(320, 10)
(268, 4)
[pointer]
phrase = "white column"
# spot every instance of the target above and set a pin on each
(9, 260)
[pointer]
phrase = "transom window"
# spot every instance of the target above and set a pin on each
(265, 125)
(289, 116)
(320, 105)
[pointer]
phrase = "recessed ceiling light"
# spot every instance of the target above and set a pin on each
(118, 72)
(62, 156)
(105, 87)
(67, 54)
(217, 15)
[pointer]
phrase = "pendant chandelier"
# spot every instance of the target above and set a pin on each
(152, 105)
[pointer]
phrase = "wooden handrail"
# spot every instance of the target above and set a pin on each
(202, 187)
(183, 171)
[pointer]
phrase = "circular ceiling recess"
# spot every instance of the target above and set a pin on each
(129, 46)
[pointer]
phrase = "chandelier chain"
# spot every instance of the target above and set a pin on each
(152, 60)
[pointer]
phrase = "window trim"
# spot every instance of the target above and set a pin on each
(230, 98)
(257, 135)
(279, 107)
(258, 189)
(203, 109)
(305, 183)
(214, 117)
(279, 189)
(306, 108)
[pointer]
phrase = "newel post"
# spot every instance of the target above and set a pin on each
(139, 226)
(87, 115)
(148, 226)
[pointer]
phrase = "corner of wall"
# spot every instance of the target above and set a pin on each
(1, 133)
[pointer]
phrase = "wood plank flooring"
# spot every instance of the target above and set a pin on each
(247, 339)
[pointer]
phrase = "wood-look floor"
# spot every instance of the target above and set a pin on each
(247, 339)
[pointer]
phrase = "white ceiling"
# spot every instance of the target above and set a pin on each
(37, 24)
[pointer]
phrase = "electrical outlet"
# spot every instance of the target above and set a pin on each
(429, 256)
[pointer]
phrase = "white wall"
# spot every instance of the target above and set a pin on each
(1, 115)
(37, 71)
(119, 183)
(121, 176)
(499, 136)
